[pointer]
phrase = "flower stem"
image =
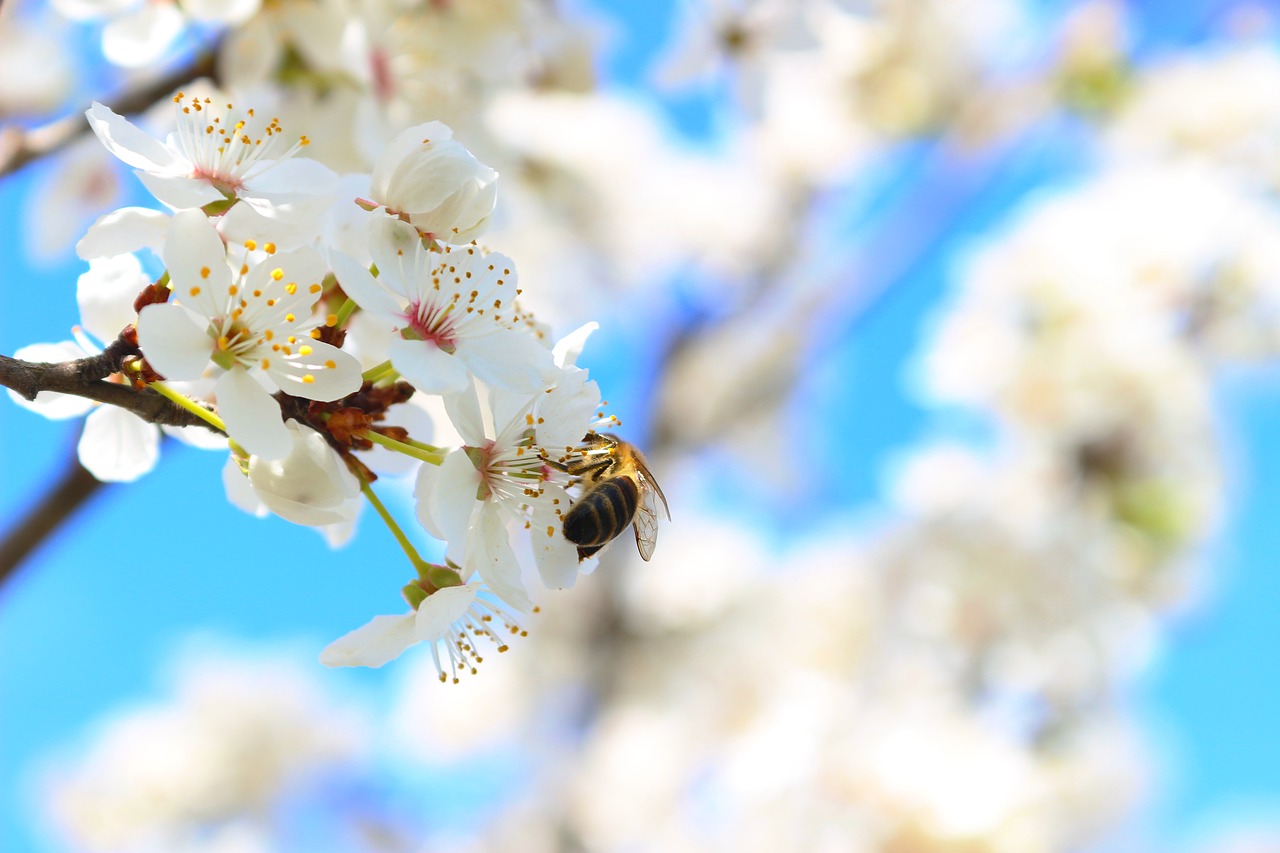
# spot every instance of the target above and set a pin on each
(381, 371)
(190, 405)
(344, 313)
(389, 520)
(417, 450)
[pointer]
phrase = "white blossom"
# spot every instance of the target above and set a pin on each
(254, 325)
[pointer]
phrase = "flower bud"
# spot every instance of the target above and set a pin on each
(311, 486)
(429, 179)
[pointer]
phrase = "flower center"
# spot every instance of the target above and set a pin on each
(428, 321)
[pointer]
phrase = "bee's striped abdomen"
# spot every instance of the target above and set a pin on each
(603, 512)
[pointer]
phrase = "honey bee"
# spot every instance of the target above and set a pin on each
(617, 490)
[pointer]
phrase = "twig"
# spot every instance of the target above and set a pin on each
(19, 146)
(85, 378)
(57, 505)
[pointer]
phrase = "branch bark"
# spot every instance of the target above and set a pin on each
(86, 377)
(56, 506)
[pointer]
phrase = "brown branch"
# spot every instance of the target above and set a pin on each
(58, 504)
(86, 377)
(19, 146)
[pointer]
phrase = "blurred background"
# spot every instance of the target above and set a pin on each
(948, 327)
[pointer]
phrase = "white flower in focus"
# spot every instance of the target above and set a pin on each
(254, 325)
(494, 484)
(311, 486)
(453, 618)
(430, 180)
(455, 313)
(217, 153)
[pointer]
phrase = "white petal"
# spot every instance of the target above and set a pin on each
(128, 142)
(405, 144)
(555, 556)
(568, 411)
(287, 225)
(446, 497)
(326, 383)
(311, 486)
(51, 404)
(125, 230)
(358, 283)
(106, 294)
(252, 415)
(430, 369)
(490, 554)
(196, 259)
(118, 446)
(180, 192)
(239, 493)
(442, 608)
(382, 639)
(290, 180)
(464, 413)
(510, 358)
(566, 351)
(174, 343)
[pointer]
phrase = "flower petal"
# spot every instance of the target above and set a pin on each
(252, 415)
(118, 446)
(442, 608)
(446, 497)
(358, 283)
(382, 639)
(127, 141)
(510, 358)
(489, 553)
(555, 556)
(180, 192)
(323, 373)
(430, 369)
(196, 259)
(173, 342)
(290, 180)
(106, 293)
(125, 230)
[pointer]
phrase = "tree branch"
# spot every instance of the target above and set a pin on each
(19, 146)
(58, 504)
(86, 377)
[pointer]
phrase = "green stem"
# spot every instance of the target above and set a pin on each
(373, 374)
(344, 313)
(426, 453)
(389, 520)
(190, 405)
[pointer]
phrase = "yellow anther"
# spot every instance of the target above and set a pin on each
(204, 272)
(291, 288)
(277, 273)
(251, 244)
(308, 378)
(269, 248)
(304, 350)
(289, 318)
(331, 320)
(195, 291)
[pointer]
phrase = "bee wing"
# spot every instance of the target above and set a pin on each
(646, 522)
(650, 485)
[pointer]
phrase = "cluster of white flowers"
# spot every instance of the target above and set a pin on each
(249, 329)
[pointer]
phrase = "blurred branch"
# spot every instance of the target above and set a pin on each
(86, 377)
(19, 146)
(58, 504)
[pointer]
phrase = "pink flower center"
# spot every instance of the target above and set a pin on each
(434, 323)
